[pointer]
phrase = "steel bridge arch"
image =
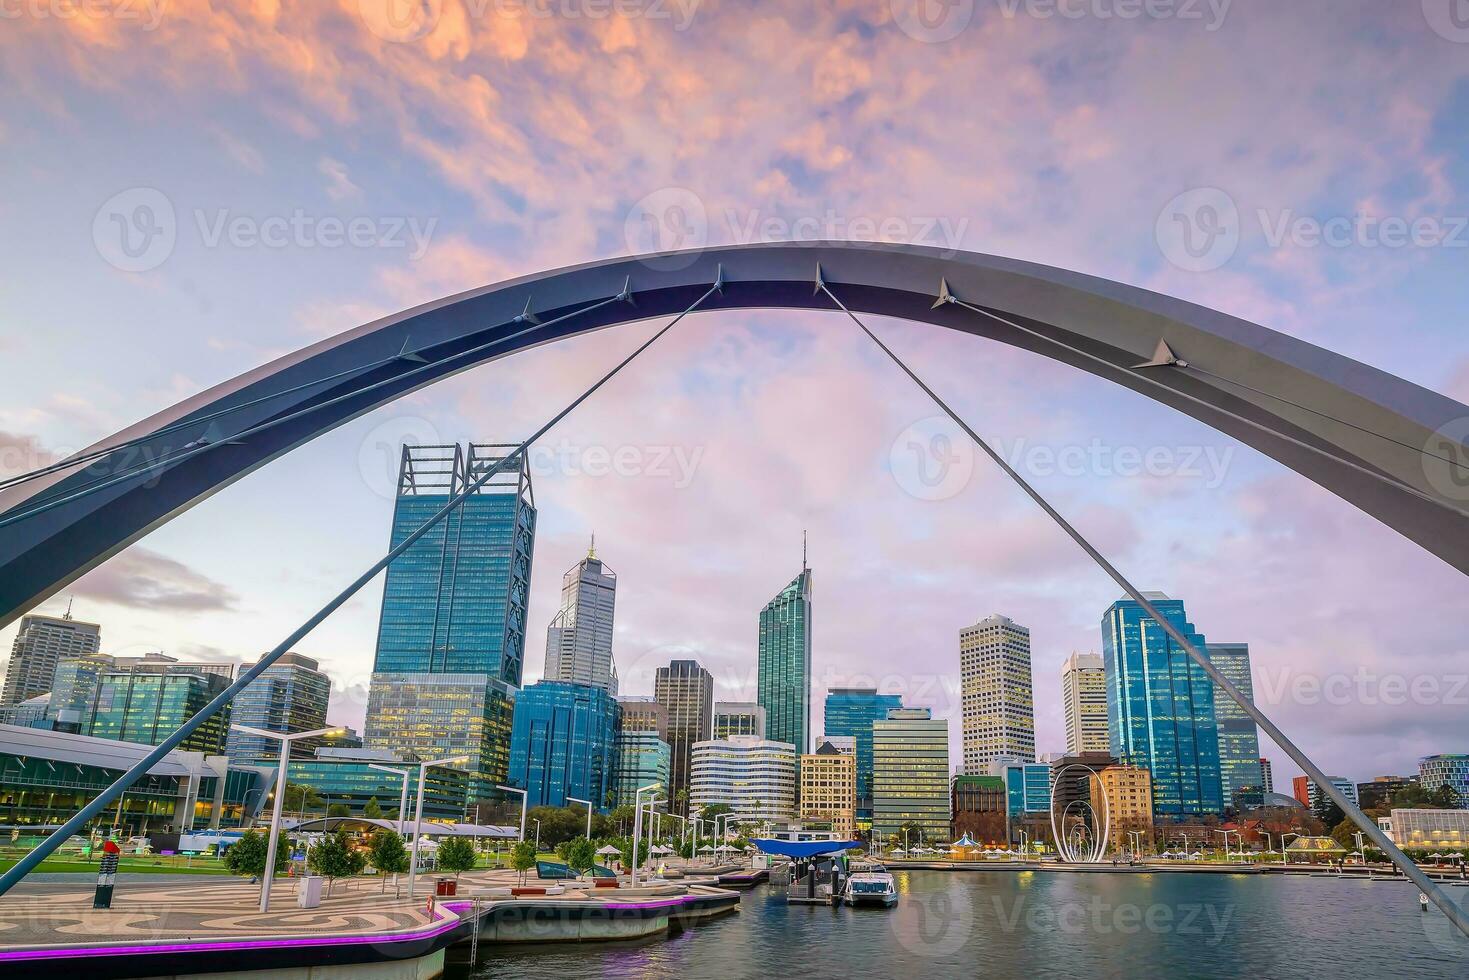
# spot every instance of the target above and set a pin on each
(1350, 410)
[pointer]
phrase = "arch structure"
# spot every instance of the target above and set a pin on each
(1355, 416)
(1092, 848)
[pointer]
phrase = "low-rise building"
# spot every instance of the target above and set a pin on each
(643, 758)
(738, 718)
(1421, 829)
(345, 778)
(754, 777)
(1438, 771)
(979, 808)
(829, 786)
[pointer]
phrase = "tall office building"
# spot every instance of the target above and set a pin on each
(850, 712)
(1084, 700)
(785, 663)
(73, 687)
(644, 714)
(579, 639)
(738, 718)
(1239, 738)
(1267, 775)
(289, 696)
(563, 744)
(150, 702)
(1309, 795)
(829, 786)
(642, 760)
(686, 692)
(451, 637)
(41, 642)
(910, 775)
(995, 687)
(754, 777)
(1160, 707)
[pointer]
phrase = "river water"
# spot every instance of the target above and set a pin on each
(1036, 924)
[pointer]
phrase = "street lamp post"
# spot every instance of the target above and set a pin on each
(524, 800)
(423, 768)
(402, 796)
(572, 799)
(537, 822)
(1283, 858)
(637, 824)
(285, 738)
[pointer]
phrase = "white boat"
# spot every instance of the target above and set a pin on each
(871, 886)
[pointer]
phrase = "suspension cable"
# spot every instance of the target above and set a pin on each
(32, 508)
(1369, 827)
(1391, 481)
(111, 793)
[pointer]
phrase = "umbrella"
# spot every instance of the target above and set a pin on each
(660, 849)
(706, 849)
(608, 849)
(899, 850)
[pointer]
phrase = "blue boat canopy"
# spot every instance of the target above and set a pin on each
(805, 848)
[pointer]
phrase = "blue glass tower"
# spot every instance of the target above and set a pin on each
(563, 743)
(850, 711)
(784, 685)
(451, 638)
(1160, 707)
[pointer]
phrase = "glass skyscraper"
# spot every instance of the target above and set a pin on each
(1239, 737)
(785, 664)
(1160, 707)
(451, 637)
(563, 743)
(642, 760)
(850, 712)
(147, 706)
(290, 696)
(579, 639)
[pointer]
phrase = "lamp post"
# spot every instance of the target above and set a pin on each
(1226, 834)
(423, 768)
(537, 822)
(402, 796)
(524, 801)
(572, 799)
(285, 738)
(637, 824)
(1283, 858)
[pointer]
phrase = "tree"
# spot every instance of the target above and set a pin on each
(579, 854)
(373, 810)
(335, 857)
(523, 857)
(1344, 833)
(456, 855)
(300, 797)
(558, 823)
(389, 856)
(247, 857)
(339, 810)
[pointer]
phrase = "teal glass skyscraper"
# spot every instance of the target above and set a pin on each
(1160, 707)
(564, 744)
(1239, 737)
(784, 687)
(451, 638)
(850, 712)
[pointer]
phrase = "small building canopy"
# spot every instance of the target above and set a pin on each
(804, 848)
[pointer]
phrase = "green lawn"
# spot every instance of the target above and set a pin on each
(144, 865)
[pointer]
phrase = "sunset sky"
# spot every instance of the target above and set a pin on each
(473, 140)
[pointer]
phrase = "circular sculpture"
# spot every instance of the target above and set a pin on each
(1091, 843)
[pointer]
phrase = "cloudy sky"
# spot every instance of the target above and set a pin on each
(471, 140)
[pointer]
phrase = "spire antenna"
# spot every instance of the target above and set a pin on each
(804, 566)
(592, 551)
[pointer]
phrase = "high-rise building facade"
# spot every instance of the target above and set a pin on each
(563, 743)
(785, 664)
(579, 639)
(1309, 795)
(148, 705)
(850, 712)
(1437, 771)
(1084, 701)
(1378, 793)
(754, 777)
(686, 691)
(1160, 707)
(738, 718)
(643, 759)
(39, 645)
(996, 693)
(910, 775)
(1027, 785)
(1239, 737)
(829, 787)
(72, 689)
(644, 714)
(1267, 775)
(451, 636)
(289, 696)
(1126, 793)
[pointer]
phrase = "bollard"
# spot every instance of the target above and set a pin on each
(106, 876)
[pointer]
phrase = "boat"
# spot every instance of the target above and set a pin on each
(871, 885)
